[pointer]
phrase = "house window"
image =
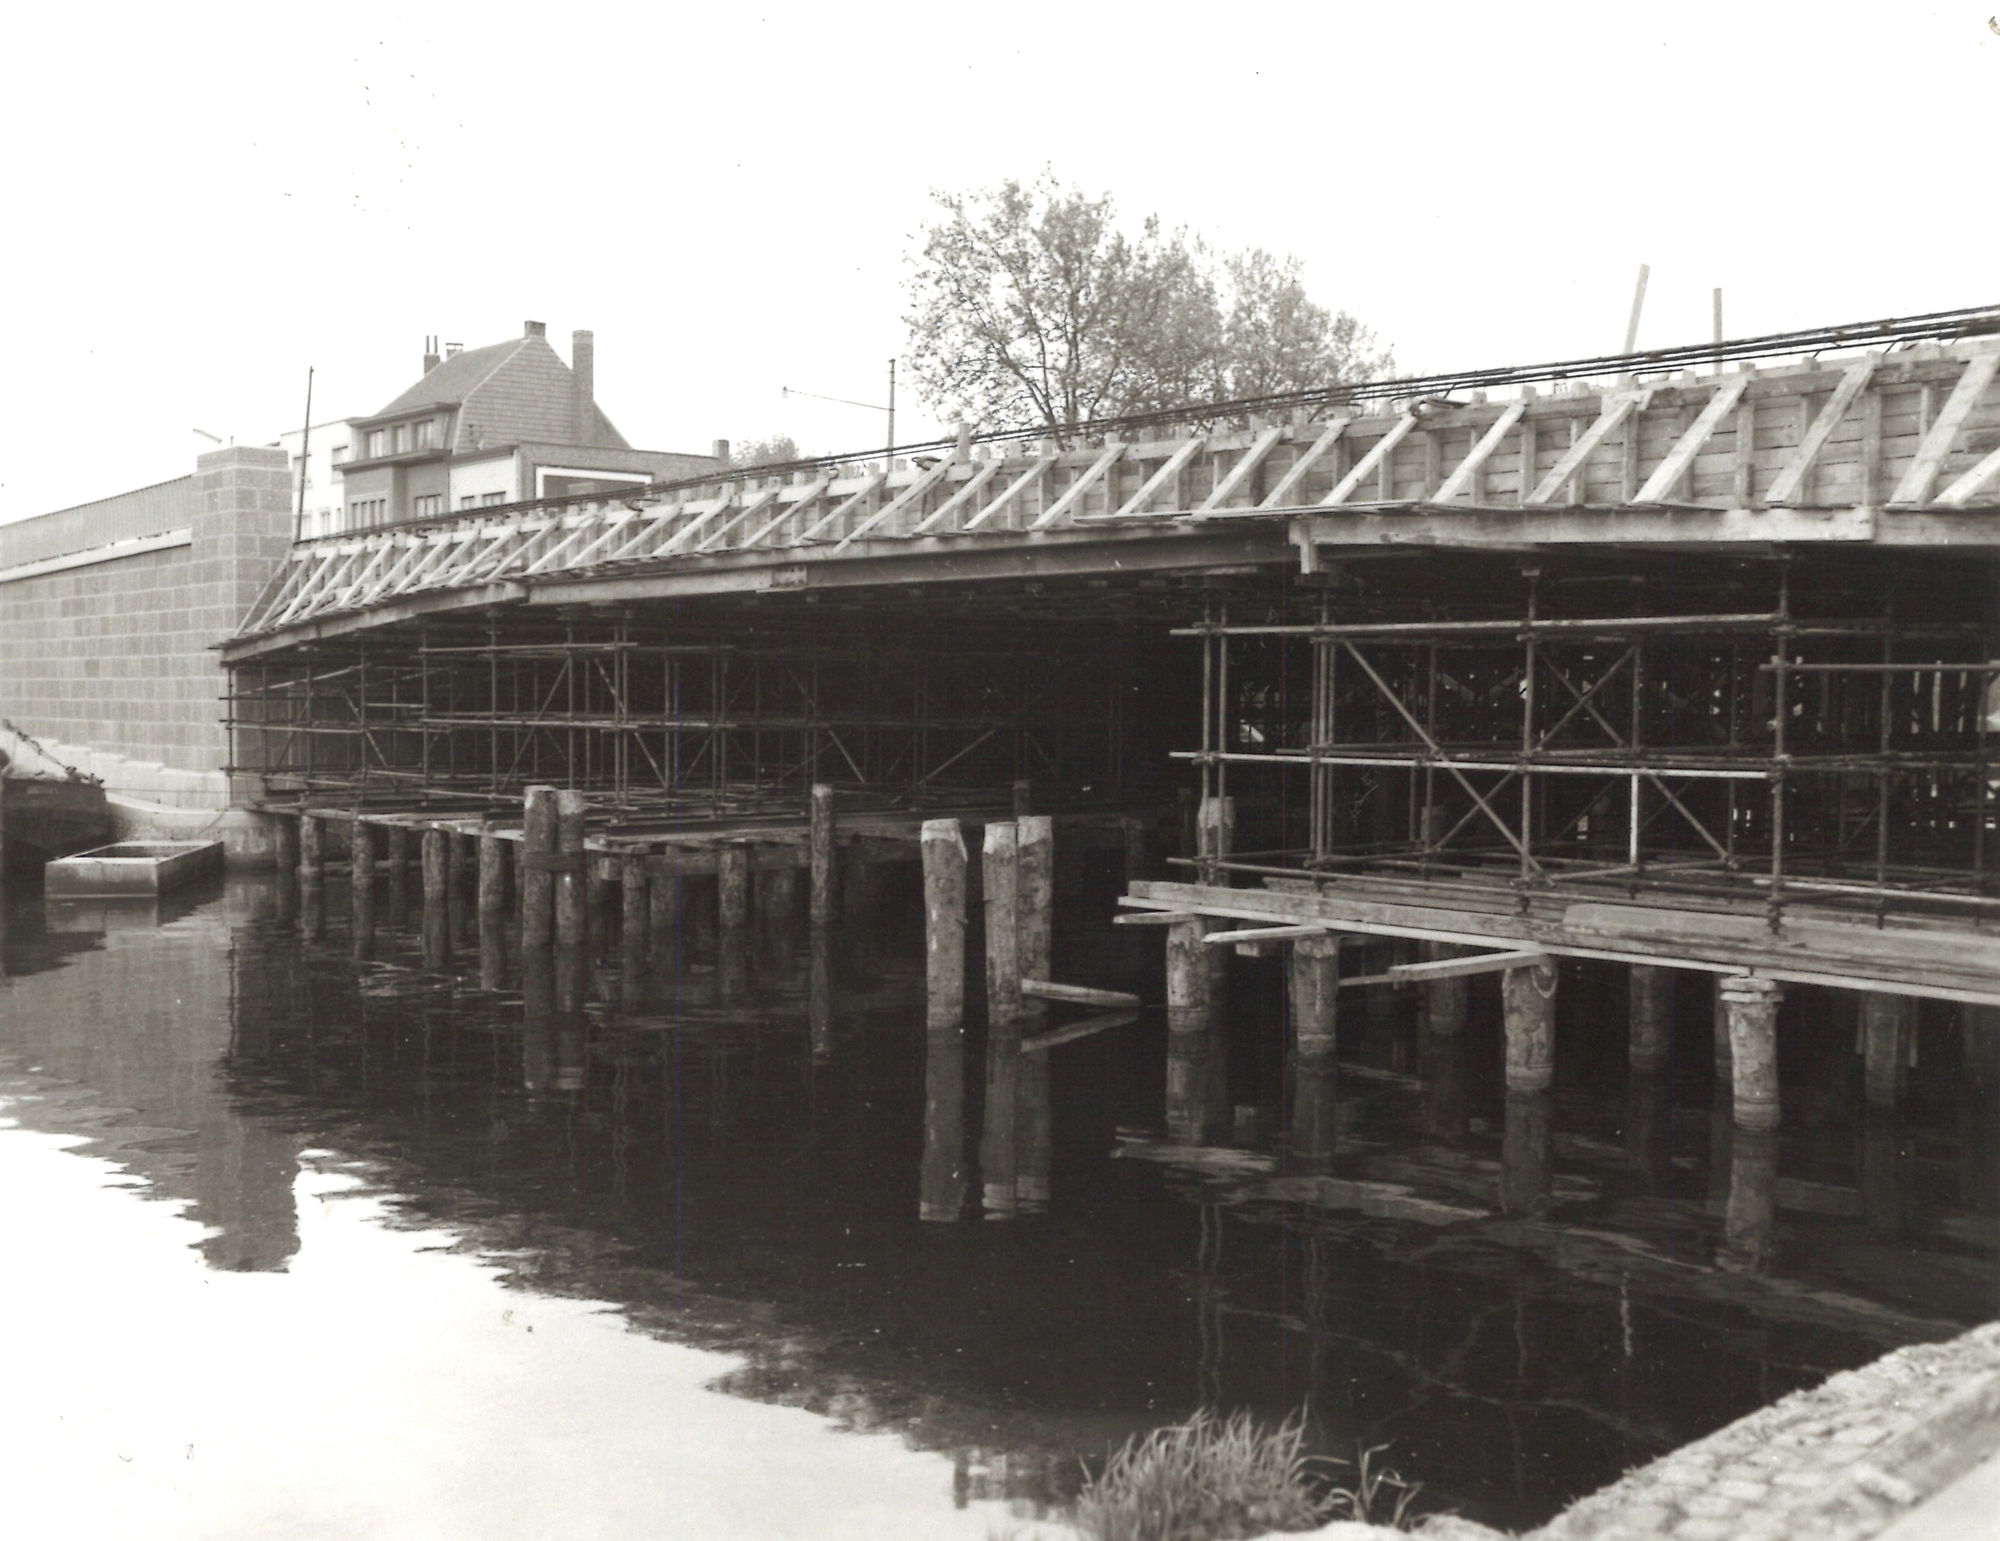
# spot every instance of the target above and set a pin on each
(422, 434)
(402, 437)
(492, 498)
(363, 512)
(428, 504)
(378, 442)
(467, 501)
(339, 454)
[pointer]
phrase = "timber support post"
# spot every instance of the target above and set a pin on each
(1651, 993)
(492, 874)
(1528, 1003)
(732, 886)
(820, 840)
(663, 910)
(538, 849)
(361, 886)
(1725, 1054)
(1190, 992)
(632, 914)
(284, 843)
(1751, 1007)
(943, 846)
(1035, 917)
(1001, 864)
(1887, 1021)
(1315, 994)
(437, 881)
(1444, 1000)
(572, 886)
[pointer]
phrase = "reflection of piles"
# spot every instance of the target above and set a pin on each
(1484, 1242)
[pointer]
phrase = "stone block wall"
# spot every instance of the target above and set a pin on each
(117, 656)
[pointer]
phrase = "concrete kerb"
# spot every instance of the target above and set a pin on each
(1840, 1461)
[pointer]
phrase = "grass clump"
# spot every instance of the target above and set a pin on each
(1222, 1479)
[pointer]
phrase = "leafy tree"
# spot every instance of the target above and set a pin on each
(1029, 305)
(775, 450)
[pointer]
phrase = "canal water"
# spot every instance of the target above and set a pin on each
(310, 1238)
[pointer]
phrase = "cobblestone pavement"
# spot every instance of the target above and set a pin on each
(1842, 1461)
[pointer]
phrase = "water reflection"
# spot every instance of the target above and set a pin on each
(1749, 1223)
(1198, 1080)
(1526, 1178)
(1649, 1130)
(1444, 1075)
(942, 1184)
(999, 1138)
(745, 1155)
(1314, 1133)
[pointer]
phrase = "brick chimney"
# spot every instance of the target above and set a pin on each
(534, 329)
(583, 384)
(431, 359)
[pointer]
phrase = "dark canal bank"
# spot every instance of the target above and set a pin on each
(375, 1162)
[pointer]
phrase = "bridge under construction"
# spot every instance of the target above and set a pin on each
(1681, 660)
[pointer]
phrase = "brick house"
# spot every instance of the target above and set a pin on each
(501, 424)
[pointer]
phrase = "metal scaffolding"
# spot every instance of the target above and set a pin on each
(1747, 731)
(463, 714)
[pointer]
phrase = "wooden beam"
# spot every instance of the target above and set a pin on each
(582, 533)
(901, 501)
(1618, 405)
(1154, 918)
(1786, 487)
(805, 500)
(1915, 486)
(1246, 465)
(749, 510)
(958, 499)
(1660, 485)
(1962, 491)
(1454, 968)
(1376, 456)
(1265, 934)
(1479, 454)
(1081, 995)
(1014, 489)
(1296, 473)
(1180, 457)
(874, 483)
(1075, 1030)
(1073, 494)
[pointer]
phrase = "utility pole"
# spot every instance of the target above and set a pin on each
(1638, 304)
(792, 390)
(305, 450)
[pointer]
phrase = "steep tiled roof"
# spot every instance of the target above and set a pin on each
(453, 380)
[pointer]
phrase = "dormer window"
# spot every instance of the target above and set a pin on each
(421, 433)
(402, 437)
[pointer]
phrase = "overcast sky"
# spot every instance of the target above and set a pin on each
(201, 202)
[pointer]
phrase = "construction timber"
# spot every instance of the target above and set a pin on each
(1677, 659)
